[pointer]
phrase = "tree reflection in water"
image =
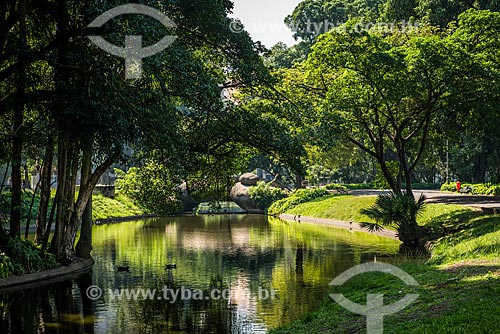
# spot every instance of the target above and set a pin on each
(245, 253)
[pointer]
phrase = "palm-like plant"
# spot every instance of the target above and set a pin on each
(400, 211)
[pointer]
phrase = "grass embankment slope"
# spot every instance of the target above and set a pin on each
(118, 207)
(102, 207)
(459, 285)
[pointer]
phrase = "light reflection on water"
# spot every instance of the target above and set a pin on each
(244, 253)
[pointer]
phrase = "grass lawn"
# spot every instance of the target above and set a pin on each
(120, 206)
(348, 207)
(102, 207)
(459, 288)
(341, 207)
(460, 298)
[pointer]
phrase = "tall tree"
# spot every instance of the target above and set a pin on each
(383, 93)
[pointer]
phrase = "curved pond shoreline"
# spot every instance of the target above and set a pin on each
(26, 281)
(338, 223)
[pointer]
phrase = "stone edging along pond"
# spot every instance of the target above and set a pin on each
(18, 282)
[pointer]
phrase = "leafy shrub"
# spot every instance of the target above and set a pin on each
(477, 189)
(359, 186)
(450, 186)
(265, 195)
(494, 190)
(22, 256)
(298, 197)
(6, 266)
(336, 186)
(480, 189)
(25, 204)
(151, 187)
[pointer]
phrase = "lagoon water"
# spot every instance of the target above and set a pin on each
(243, 274)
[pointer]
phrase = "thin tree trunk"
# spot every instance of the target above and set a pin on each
(4, 177)
(480, 167)
(298, 181)
(27, 181)
(62, 162)
(28, 218)
(45, 178)
(49, 223)
(388, 176)
(84, 245)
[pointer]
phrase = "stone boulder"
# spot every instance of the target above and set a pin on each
(249, 179)
(241, 196)
(188, 203)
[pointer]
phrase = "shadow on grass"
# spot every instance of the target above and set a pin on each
(461, 298)
(461, 221)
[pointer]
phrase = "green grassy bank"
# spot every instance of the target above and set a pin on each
(19, 256)
(102, 207)
(459, 288)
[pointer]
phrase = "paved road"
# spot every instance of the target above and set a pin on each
(485, 203)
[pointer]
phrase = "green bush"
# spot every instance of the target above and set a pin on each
(151, 187)
(480, 189)
(477, 189)
(450, 186)
(22, 256)
(399, 211)
(494, 190)
(298, 197)
(359, 186)
(6, 266)
(265, 195)
(335, 186)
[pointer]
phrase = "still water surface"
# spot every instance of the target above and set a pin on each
(246, 257)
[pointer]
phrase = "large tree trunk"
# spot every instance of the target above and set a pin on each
(299, 179)
(68, 201)
(17, 143)
(84, 245)
(45, 179)
(393, 182)
(86, 189)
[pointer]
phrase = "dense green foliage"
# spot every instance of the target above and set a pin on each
(337, 187)
(67, 105)
(264, 194)
(402, 95)
(27, 196)
(151, 187)
(298, 197)
(22, 256)
(476, 188)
